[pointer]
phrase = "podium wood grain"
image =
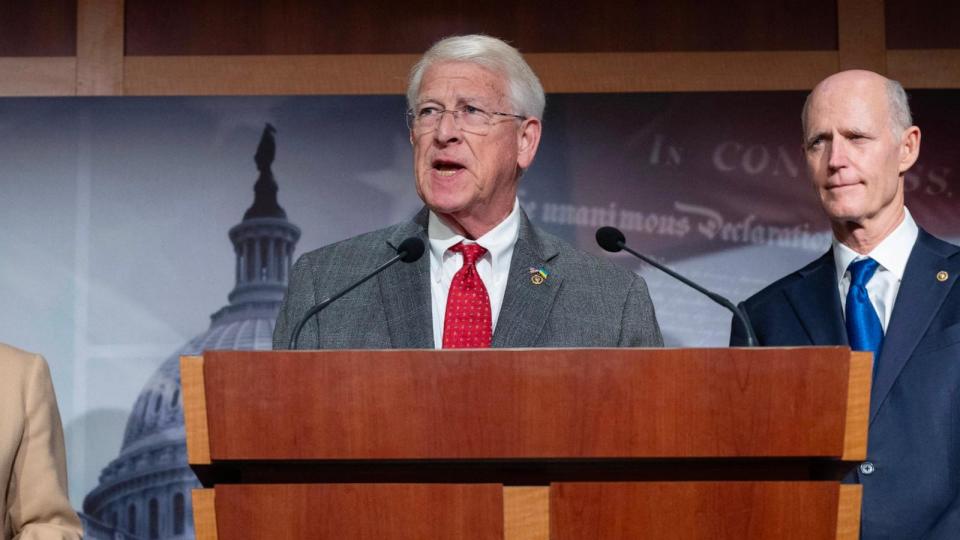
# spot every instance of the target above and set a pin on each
(194, 410)
(698, 510)
(204, 514)
(360, 511)
(569, 403)
(686, 443)
(526, 513)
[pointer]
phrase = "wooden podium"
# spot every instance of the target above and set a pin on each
(595, 444)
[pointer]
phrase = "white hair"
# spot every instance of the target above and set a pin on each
(897, 103)
(523, 87)
(899, 107)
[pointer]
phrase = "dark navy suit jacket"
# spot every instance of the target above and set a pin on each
(914, 431)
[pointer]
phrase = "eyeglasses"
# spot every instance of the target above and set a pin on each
(468, 118)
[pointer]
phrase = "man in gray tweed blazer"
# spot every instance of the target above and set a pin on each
(475, 110)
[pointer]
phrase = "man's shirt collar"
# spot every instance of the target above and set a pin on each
(498, 241)
(892, 252)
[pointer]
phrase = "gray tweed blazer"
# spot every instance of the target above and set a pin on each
(584, 302)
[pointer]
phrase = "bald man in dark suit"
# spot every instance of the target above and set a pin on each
(885, 286)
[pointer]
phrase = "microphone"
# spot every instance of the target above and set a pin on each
(612, 240)
(408, 251)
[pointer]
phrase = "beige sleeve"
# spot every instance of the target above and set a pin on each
(37, 503)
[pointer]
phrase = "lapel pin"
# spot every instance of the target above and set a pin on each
(538, 275)
(942, 275)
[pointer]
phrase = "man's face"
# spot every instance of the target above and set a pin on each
(470, 178)
(854, 158)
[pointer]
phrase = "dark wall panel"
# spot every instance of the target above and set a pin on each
(922, 24)
(32, 28)
(183, 27)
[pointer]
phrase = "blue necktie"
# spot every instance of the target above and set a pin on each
(863, 325)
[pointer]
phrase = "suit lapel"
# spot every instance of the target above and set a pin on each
(918, 300)
(405, 292)
(526, 305)
(816, 301)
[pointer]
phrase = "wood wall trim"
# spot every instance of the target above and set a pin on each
(38, 76)
(56, 76)
(101, 68)
(267, 75)
(683, 71)
(386, 74)
(926, 68)
(99, 47)
(861, 33)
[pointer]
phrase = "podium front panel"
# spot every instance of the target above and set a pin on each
(528, 404)
(704, 510)
(359, 511)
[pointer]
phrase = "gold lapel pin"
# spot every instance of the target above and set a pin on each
(538, 275)
(942, 275)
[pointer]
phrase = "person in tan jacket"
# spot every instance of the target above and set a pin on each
(33, 471)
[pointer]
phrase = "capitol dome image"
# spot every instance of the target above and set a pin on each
(144, 493)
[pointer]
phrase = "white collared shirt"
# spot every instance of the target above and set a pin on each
(493, 267)
(891, 254)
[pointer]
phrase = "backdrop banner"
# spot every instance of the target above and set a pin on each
(116, 211)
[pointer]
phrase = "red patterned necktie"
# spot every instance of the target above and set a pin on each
(467, 323)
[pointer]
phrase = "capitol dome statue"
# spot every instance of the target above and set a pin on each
(144, 494)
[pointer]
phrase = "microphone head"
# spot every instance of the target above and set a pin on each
(611, 239)
(410, 249)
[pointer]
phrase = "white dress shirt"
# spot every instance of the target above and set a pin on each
(493, 267)
(891, 254)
